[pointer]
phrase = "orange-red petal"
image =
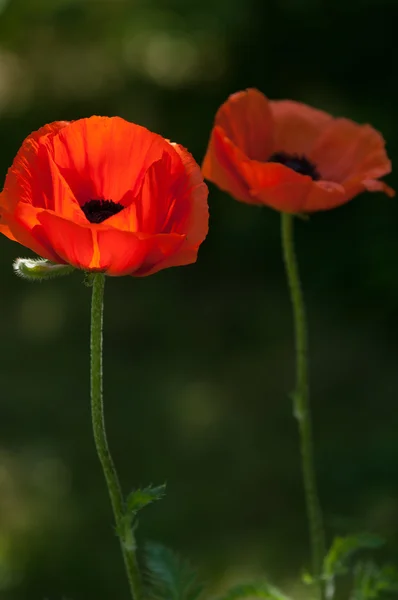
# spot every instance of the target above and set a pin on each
(105, 157)
(196, 191)
(296, 126)
(221, 165)
(275, 185)
(324, 195)
(28, 179)
(192, 223)
(72, 242)
(151, 256)
(26, 229)
(120, 252)
(98, 248)
(246, 120)
(372, 185)
(346, 152)
(4, 228)
(159, 193)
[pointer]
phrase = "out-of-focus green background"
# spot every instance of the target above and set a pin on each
(199, 360)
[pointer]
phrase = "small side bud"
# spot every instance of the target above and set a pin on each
(39, 269)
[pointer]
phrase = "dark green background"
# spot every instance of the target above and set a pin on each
(199, 360)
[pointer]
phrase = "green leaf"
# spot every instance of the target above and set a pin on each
(169, 577)
(140, 498)
(254, 590)
(137, 500)
(342, 550)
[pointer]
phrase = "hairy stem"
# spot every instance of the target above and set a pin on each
(124, 531)
(301, 400)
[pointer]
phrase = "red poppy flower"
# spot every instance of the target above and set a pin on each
(102, 194)
(290, 156)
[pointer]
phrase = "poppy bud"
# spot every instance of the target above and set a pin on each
(39, 269)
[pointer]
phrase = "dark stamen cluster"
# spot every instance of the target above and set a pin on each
(97, 211)
(298, 163)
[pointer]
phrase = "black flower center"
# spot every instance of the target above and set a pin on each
(97, 211)
(298, 163)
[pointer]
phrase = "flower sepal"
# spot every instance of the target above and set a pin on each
(39, 269)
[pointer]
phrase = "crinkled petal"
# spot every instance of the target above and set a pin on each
(275, 185)
(160, 191)
(105, 157)
(27, 230)
(29, 179)
(324, 195)
(371, 185)
(296, 126)
(126, 253)
(195, 192)
(72, 242)
(246, 120)
(221, 166)
(194, 222)
(349, 153)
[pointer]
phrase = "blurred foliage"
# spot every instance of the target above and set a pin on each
(168, 576)
(362, 578)
(198, 360)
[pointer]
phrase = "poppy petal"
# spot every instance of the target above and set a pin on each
(246, 120)
(221, 166)
(4, 228)
(349, 153)
(378, 186)
(26, 229)
(296, 126)
(109, 250)
(71, 241)
(126, 219)
(324, 195)
(276, 186)
(157, 193)
(195, 221)
(62, 201)
(26, 179)
(126, 253)
(104, 157)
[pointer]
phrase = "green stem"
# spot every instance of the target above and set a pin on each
(301, 400)
(124, 531)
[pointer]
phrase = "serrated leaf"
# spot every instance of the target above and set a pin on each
(254, 590)
(169, 577)
(342, 550)
(140, 498)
